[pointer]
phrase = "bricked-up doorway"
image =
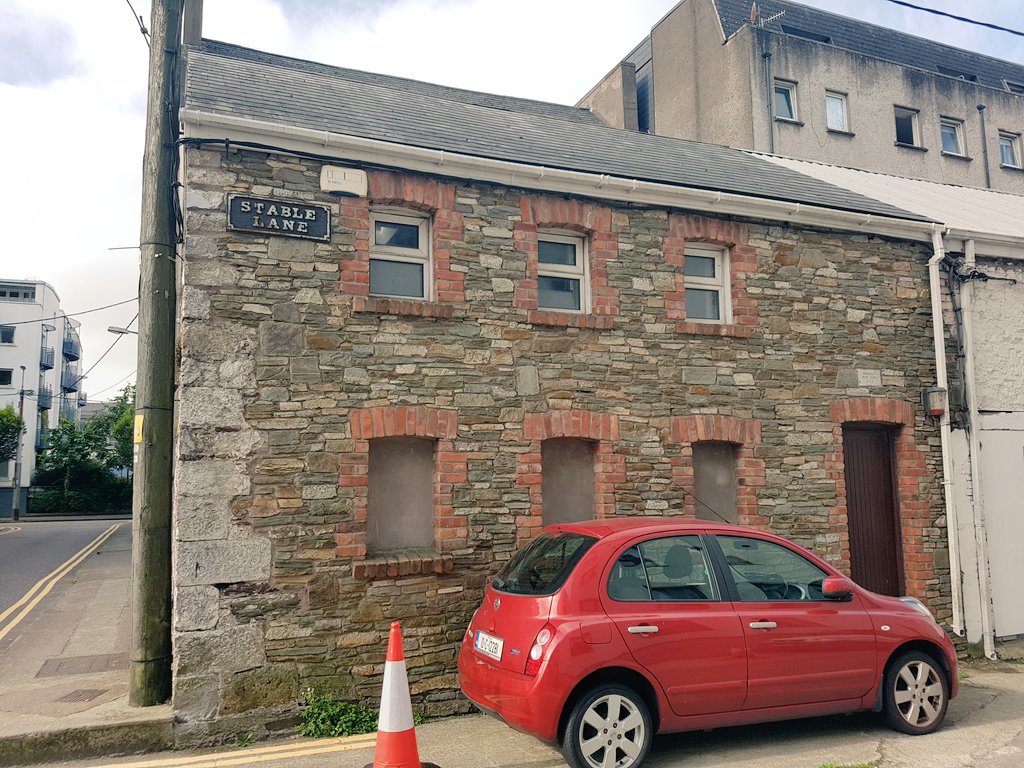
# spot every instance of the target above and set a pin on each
(872, 513)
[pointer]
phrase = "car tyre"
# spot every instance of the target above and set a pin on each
(608, 717)
(916, 694)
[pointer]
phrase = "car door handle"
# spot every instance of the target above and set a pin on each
(763, 625)
(644, 630)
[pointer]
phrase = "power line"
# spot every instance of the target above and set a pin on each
(958, 18)
(94, 394)
(113, 344)
(73, 314)
(142, 25)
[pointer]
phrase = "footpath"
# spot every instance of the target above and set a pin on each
(64, 702)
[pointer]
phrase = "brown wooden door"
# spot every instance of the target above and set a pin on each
(872, 515)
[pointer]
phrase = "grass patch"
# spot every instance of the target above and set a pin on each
(324, 716)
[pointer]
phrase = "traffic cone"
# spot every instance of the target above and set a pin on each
(396, 735)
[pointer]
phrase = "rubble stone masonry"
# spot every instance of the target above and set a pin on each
(288, 368)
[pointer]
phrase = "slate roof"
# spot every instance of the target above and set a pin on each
(871, 40)
(223, 80)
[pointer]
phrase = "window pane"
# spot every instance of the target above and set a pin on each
(400, 502)
(904, 128)
(558, 292)
(396, 235)
(766, 571)
(6, 334)
(702, 304)
(543, 565)
(699, 266)
(1007, 153)
(567, 480)
(628, 582)
(396, 278)
(950, 139)
(714, 481)
(783, 102)
(677, 569)
(556, 253)
(835, 108)
(6, 375)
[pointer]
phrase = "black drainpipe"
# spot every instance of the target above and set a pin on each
(767, 56)
(984, 146)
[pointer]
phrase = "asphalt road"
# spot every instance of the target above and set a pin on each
(32, 554)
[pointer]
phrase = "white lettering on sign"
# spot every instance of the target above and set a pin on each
(251, 214)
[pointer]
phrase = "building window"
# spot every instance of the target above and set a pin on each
(562, 273)
(952, 132)
(567, 480)
(1009, 150)
(706, 275)
(714, 481)
(835, 111)
(400, 497)
(17, 293)
(5, 470)
(400, 255)
(6, 377)
(1014, 87)
(6, 334)
(907, 132)
(785, 100)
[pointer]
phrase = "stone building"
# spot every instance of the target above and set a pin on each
(417, 324)
(776, 76)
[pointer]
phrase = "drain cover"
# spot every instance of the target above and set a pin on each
(83, 694)
(83, 665)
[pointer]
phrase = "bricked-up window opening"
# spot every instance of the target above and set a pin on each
(714, 481)
(562, 273)
(399, 255)
(6, 334)
(785, 100)
(400, 499)
(567, 480)
(706, 271)
(906, 127)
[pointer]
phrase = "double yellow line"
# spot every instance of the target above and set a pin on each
(42, 587)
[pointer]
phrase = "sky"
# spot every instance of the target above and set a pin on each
(73, 79)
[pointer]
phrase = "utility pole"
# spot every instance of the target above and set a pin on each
(150, 670)
(16, 483)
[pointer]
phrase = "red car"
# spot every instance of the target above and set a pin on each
(598, 635)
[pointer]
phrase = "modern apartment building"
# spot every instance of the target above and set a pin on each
(779, 77)
(39, 370)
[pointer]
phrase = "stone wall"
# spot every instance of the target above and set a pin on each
(288, 368)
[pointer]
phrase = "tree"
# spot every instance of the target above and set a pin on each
(10, 432)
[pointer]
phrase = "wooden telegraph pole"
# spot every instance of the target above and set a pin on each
(150, 671)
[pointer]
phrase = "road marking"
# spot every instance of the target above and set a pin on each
(249, 756)
(42, 587)
(8, 530)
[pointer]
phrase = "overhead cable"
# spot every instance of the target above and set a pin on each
(958, 18)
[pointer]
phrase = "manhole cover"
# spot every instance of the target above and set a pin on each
(83, 694)
(83, 665)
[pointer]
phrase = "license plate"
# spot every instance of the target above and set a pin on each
(488, 645)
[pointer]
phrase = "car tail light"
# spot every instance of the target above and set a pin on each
(538, 649)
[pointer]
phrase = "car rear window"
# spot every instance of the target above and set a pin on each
(543, 565)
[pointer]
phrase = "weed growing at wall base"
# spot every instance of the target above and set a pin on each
(324, 716)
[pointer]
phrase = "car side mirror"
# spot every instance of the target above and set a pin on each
(837, 588)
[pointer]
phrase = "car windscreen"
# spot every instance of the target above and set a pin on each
(543, 565)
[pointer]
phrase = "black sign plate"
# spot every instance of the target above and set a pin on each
(277, 217)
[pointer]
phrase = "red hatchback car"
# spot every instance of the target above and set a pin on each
(598, 635)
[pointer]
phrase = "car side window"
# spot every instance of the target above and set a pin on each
(766, 571)
(672, 568)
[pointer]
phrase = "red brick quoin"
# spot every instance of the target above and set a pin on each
(911, 484)
(450, 530)
(417, 193)
(609, 467)
(595, 223)
(742, 262)
(745, 434)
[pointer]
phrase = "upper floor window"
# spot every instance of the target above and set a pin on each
(785, 100)
(400, 255)
(706, 275)
(10, 292)
(1009, 150)
(567, 480)
(907, 131)
(6, 377)
(952, 132)
(400, 497)
(563, 282)
(1014, 87)
(6, 334)
(835, 111)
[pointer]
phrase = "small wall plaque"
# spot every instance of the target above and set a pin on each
(277, 217)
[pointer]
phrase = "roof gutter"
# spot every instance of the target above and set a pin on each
(197, 124)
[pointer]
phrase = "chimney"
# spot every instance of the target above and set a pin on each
(192, 25)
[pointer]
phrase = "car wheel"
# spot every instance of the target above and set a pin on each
(608, 727)
(916, 694)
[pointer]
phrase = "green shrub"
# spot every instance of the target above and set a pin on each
(324, 716)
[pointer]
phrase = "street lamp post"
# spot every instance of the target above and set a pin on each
(16, 485)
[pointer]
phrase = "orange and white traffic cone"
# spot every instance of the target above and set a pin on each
(396, 735)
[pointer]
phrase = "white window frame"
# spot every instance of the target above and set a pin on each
(421, 255)
(721, 284)
(842, 99)
(581, 271)
(790, 87)
(958, 133)
(1013, 141)
(915, 124)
